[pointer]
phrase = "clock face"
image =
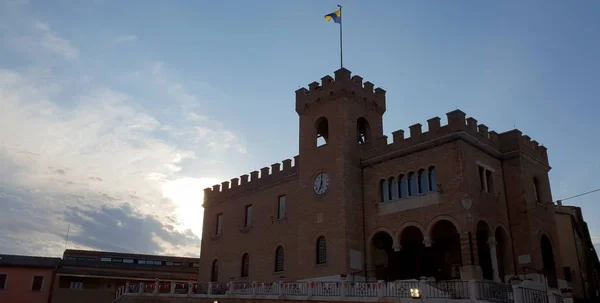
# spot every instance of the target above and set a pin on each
(321, 183)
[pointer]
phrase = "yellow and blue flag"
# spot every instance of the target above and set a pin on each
(335, 16)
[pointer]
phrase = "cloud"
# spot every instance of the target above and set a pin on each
(61, 164)
(50, 41)
(124, 39)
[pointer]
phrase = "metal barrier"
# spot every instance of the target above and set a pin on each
(494, 292)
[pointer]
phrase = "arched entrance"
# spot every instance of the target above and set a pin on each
(548, 264)
(411, 254)
(382, 255)
(446, 253)
(503, 253)
(483, 250)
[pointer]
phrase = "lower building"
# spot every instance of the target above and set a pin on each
(26, 279)
(580, 260)
(93, 276)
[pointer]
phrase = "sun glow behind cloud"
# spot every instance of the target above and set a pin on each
(188, 195)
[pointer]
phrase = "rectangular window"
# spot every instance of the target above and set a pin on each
(157, 262)
(76, 285)
(176, 264)
(482, 177)
(129, 261)
(489, 180)
(105, 259)
(196, 265)
(3, 281)
(141, 261)
(568, 276)
(36, 285)
(169, 263)
(281, 208)
(115, 260)
(248, 221)
(219, 229)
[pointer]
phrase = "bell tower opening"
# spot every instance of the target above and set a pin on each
(363, 130)
(322, 127)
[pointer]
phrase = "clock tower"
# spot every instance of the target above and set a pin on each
(339, 120)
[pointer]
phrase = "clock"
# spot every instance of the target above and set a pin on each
(321, 183)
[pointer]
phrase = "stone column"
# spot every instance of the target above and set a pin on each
(494, 257)
(172, 290)
(397, 248)
(126, 287)
(156, 285)
(427, 242)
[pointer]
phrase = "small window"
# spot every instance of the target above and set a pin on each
(219, 229)
(413, 186)
(490, 181)
(105, 259)
(423, 182)
(281, 208)
(568, 276)
(384, 187)
(432, 179)
(403, 186)
(279, 259)
(393, 186)
(71, 258)
(176, 264)
(482, 178)
(196, 265)
(248, 220)
(157, 262)
(321, 250)
(245, 265)
(128, 261)
(3, 281)
(169, 263)
(36, 285)
(536, 189)
(76, 285)
(141, 261)
(214, 272)
(114, 260)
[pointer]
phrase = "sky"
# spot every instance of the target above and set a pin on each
(115, 115)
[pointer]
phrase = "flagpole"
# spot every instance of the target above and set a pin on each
(341, 49)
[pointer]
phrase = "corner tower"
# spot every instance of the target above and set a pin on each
(336, 117)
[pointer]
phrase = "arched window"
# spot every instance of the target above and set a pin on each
(322, 127)
(245, 265)
(413, 187)
(536, 189)
(393, 185)
(385, 190)
(432, 179)
(403, 186)
(279, 258)
(214, 272)
(363, 131)
(423, 181)
(321, 250)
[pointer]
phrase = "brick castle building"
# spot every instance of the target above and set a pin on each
(455, 201)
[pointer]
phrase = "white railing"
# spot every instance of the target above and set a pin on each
(474, 291)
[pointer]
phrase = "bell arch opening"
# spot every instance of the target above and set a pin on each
(322, 127)
(363, 131)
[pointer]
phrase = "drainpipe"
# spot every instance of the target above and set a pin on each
(51, 290)
(362, 193)
(512, 243)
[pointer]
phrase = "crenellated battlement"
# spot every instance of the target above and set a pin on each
(457, 124)
(344, 84)
(252, 180)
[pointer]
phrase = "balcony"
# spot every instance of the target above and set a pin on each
(453, 291)
(412, 202)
